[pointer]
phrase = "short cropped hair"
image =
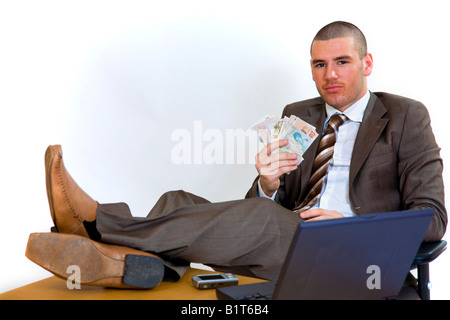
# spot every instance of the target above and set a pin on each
(342, 29)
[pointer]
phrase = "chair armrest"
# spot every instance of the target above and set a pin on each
(429, 251)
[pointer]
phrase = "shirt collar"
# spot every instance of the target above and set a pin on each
(355, 112)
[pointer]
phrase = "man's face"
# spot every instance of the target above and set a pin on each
(338, 71)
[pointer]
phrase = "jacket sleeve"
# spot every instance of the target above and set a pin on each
(420, 170)
(253, 191)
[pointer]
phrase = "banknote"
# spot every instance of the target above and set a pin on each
(300, 136)
(268, 128)
(261, 130)
(299, 133)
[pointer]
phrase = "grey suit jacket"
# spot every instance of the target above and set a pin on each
(395, 163)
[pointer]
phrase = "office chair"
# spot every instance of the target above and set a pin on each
(427, 252)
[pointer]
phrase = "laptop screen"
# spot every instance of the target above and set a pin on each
(363, 257)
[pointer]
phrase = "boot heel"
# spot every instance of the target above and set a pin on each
(142, 271)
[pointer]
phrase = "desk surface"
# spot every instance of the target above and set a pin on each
(54, 288)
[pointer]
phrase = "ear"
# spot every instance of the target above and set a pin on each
(312, 69)
(368, 64)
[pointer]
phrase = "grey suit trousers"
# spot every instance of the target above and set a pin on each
(248, 237)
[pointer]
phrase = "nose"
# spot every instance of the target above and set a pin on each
(330, 73)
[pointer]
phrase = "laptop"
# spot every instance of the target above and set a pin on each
(361, 257)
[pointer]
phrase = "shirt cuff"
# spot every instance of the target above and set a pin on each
(262, 194)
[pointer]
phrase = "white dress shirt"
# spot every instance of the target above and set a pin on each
(335, 190)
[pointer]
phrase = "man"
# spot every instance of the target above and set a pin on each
(385, 158)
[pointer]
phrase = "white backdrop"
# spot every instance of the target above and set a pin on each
(111, 81)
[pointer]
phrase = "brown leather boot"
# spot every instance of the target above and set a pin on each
(99, 264)
(69, 204)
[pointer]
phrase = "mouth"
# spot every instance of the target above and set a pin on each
(333, 88)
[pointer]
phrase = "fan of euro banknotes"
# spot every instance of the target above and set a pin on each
(300, 134)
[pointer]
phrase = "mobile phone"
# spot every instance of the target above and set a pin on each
(210, 281)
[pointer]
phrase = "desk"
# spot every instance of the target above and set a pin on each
(54, 288)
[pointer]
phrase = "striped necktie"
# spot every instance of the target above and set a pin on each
(321, 162)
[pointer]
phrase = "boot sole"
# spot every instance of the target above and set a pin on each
(56, 252)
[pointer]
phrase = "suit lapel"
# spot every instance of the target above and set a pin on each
(315, 117)
(370, 130)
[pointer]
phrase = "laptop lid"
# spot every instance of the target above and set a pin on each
(362, 257)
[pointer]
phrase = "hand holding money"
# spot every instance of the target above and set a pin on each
(300, 134)
(271, 165)
(285, 140)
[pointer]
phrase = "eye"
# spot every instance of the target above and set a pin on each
(342, 62)
(319, 65)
